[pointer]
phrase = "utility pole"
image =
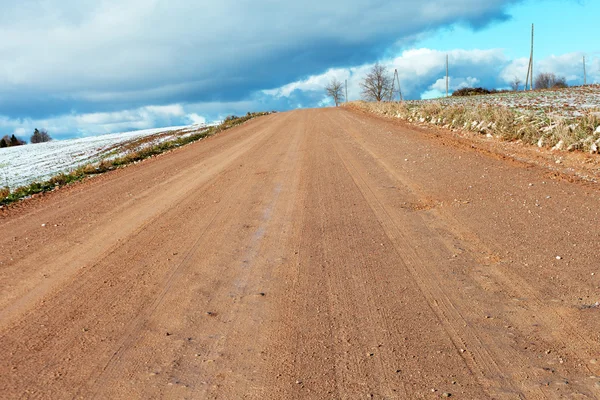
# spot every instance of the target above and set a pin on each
(346, 84)
(529, 79)
(447, 76)
(393, 90)
(584, 73)
(399, 88)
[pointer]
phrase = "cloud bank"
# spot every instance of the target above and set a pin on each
(86, 67)
(107, 55)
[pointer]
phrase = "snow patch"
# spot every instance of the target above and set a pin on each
(22, 165)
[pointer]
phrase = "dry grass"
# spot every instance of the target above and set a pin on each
(577, 133)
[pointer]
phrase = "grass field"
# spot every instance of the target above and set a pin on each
(563, 119)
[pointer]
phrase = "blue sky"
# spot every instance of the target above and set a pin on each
(561, 27)
(97, 66)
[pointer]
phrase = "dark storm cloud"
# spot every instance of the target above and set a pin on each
(63, 56)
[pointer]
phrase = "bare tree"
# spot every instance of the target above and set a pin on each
(335, 89)
(377, 85)
(547, 80)
(40, 136)
(515, 84)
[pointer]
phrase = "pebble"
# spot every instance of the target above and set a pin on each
(558, 257)
(446, 394)
(298, 382)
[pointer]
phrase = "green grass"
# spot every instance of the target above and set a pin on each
(7, 196)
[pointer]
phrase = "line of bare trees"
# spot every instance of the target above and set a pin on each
(37, 137)
(376, 86)
(544, 80)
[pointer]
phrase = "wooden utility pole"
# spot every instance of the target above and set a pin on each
(346, 84)
(447, 77)
(529, 79)
(531, 83)
(584, 73)
(528, 72)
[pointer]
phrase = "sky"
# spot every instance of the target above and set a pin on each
(88, 67)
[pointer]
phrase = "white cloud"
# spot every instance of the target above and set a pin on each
(315, 82)
(422, 72)
(104, 122)
(569, 65)
(418, 70)
(454, 83)
(196, 119)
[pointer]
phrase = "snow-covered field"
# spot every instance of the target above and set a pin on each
(558, 103)
(22, 165)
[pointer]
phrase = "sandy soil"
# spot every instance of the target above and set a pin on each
(316, 254)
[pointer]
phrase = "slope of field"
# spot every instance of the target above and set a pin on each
(22, 165)
(552, 103)
(562, 119)
(315, 254)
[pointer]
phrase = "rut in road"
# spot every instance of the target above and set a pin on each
(311, 254)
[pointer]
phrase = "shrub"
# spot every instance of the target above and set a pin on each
(4, 193)
(476, 91)
(470, 91)
(549, 80)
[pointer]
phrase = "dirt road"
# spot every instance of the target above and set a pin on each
(316, 254)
